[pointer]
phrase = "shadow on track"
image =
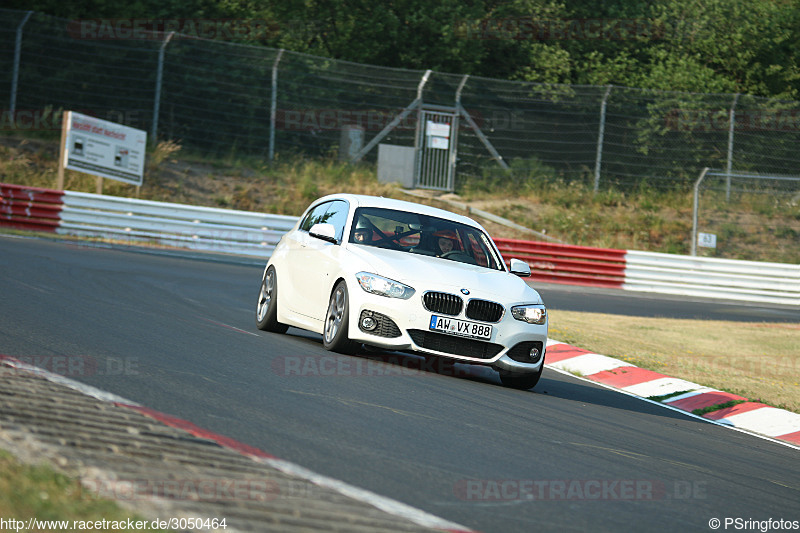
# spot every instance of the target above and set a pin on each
(376, 362)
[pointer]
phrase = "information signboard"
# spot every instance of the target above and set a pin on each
(708, 240)
(438, 134)
(104, 148)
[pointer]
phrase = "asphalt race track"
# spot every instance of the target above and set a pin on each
(178, 335)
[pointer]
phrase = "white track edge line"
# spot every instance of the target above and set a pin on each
(671, 408)
(383, 503)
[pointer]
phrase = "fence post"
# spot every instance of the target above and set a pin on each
(159, 78)
(420, 127)
(731, 123)
(273, 106)
(15, 74)
(451, 171)
(600, 135)
(695, 207)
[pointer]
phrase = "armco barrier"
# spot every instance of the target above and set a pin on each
(196, 228)
(564, 263)
(255, 235)
(142, 221)
(713, 277)
(30, 208)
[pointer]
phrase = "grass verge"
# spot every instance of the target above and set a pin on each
(717, 407)
(754, 360)
(37, 491)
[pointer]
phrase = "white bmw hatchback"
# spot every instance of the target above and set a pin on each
(395, 275)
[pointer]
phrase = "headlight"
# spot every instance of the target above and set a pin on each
(532, 314)
(376, 284)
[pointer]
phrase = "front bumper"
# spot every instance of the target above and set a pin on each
(403, 325)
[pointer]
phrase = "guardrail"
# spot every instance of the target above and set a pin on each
(255, 235)
(30, 208)
(142, 221)
(564, 263)
(196, 228)
(713, 277)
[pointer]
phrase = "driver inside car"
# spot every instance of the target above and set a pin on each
(445, 245)
(362, 235)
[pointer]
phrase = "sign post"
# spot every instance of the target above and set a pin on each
(61, 159)
(101, 148)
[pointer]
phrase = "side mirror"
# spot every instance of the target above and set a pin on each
(324, 231)
(520, 268)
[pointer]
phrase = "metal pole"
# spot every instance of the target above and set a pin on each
(15, 74)
(730, 148)
(695, 209)
(159, 78)
(385, 131)
(600, 135)
(419, 134)
(482, 137)
(451, 170)
(273, 106)
(422, 82)
(393, 124)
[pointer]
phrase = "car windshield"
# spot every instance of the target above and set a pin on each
(423, 235)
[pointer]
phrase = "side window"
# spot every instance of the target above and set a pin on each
(314, 216)
(477, 251)
(337, 215)
(334, 212)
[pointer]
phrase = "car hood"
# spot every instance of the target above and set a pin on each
(432, 273)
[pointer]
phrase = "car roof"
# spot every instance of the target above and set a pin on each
(363, 200)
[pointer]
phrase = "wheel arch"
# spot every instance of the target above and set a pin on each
(336, 281)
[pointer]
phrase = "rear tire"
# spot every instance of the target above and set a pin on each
(267, 309)
(337, 322)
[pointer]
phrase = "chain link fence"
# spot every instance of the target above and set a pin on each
(729, 213)
(220, 98)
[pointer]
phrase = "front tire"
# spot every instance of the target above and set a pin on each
(337, 321)
(267, 308)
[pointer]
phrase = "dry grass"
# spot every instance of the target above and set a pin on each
(759, 361)
(758, 227)
(762, 229)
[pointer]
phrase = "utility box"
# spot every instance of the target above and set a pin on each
(396, 164)
(351, 141)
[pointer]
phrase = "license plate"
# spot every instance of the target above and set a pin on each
(462, 328)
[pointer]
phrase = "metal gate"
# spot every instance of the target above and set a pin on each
(436, 143)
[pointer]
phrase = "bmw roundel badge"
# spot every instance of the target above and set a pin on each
(465, 291)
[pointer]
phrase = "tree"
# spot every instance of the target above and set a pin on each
(738, 46)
